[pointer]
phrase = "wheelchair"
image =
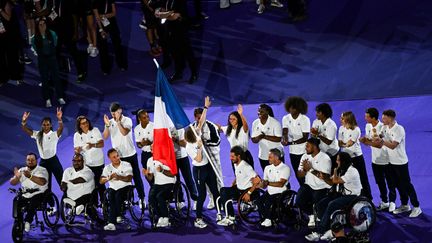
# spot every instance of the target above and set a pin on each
(47, 206)
(68, 212)
(130, 204)
(359, 216)
(179, 206)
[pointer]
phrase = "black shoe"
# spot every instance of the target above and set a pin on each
(165, 64)
(193, 78)
(175, 76)
(25, 59)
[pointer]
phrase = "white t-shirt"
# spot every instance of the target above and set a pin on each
(93, 156)
(328, 130)
(321, 162)
(379, 155)
(26, 183)
(123, 144)
(49, 144)
(124, 169)
(352, 185)
(398, 155)
(144, 133)
(75, 191)
(242, 140)
(159, 177)
(346, 135)
(179, 150)
(244, 173)
(272, 128)
(192, 151)
(275, 174)
(296, 128)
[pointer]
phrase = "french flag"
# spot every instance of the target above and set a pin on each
(168, 114)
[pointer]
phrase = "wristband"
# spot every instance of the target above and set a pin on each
(249, 192)
(23, 123)
(107, 126)
(205, 107)
(30, 177)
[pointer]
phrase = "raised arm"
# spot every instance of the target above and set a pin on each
(24, 126)
(60, 122)
(203, 118)
(106, 132)
(243, 118)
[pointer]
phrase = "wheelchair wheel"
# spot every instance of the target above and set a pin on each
(105, 207)
(135, 210)
(248, 211)
(17, 231)
(182, 201)
(152, 216)
(50, 210)
(67, 213)
(361, 214)
(285, 207)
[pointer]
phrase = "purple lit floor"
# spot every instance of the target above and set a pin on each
(353, 54)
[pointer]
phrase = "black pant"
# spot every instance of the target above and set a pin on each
(31, 205)
(114, 33)
(265, 203)
(100, 188)
(158, 196)
(264, 163)
(295, 162)
(307, 197)
(133, 160)
(116, 199)
(359, 163)
(49, 72)
(180, 47)
(53, 166)
(227, 193)
(402, 179)
(183, 166)
(144, 158)
(383, 179)
(297, 8)
(204, 175)
(86, 200)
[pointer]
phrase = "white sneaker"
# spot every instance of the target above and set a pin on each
(276, 3)
(266, 223)
(210, 205)
(119, 219)
(327, 236)
(311, 222)
(48, 103)
(383, 205)
(199, 223)
(181, 205)
(258, 2)
(194, 205)
(94, 52)
(415, 212)
(392, 207)
(62, 101)
(402, 209)
(163, 222)
(261, 9)
(40, 84)
(89, 48)
(79, 209)
(225, 222)
(27, 227)
(110, 227)
(314, 236)
(142, 204)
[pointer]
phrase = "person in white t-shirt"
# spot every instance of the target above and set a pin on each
(314, 189)
(295, 131)
(380, 161)
(89, 142)
(144, 136)
(160, 190)
(78, 185)
(119, 127)
(119, 175)
(276, 180)
(347, 187)
(267, 132)
(31, 177)
(394, 142)
(246, 179)
(349, 135)
(325, 129)
(237, 133)
(46, 141)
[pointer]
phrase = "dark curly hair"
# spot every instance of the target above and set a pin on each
(297, 103)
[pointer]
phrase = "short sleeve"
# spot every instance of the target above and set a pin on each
(266, 175)
(76, 140)
(34, 135)
(277, 129)
(340, 133)
(224, 129)
(285, 122)
(327, 163)
(301, 162)
(349, 175)
(128, 123)
(150, 165)
(330, 132)
(65, 177)
(87, 175)
(42, 173)
(250, 171)
(305, 125)
(105, 172)
(399, 134)
(97, 133)
(315, 124)
(285, 173)
(368, 133)
(136, 133)
(181, 134)
(191, 151)
(128, 169)
(356, 134)
(255, 131)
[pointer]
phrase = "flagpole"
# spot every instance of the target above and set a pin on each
(208, 157)
(156, 63)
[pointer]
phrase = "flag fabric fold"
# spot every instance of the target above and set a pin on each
(168, 114)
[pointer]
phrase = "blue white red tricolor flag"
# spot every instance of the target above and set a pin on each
(168, 114)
